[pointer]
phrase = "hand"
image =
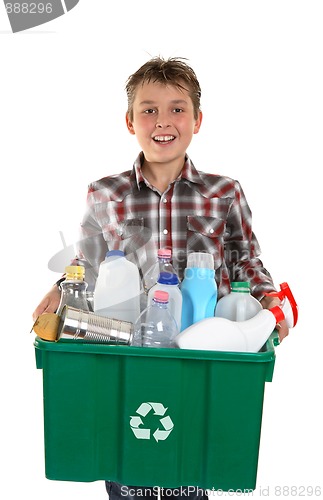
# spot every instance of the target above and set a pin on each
(282, 328)
(49, 304)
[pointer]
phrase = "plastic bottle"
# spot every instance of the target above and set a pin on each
(73, 289)
(199, 289)
(162, 264)
(238, 305)
(156, 327)
(117, 288)
(221, 334)
(169, 283)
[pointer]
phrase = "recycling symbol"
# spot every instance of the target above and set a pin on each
(164, 423)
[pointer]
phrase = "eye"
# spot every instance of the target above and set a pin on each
(149, 111)
(178, 110)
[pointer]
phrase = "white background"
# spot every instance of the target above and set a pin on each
(62, 107)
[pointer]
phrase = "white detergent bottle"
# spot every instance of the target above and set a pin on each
(117, 288)
(239, 304)
(221, 334)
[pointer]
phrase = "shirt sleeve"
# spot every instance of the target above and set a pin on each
(91, 246)
(242, 249)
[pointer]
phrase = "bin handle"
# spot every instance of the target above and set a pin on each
(274, 338)
(273, 341)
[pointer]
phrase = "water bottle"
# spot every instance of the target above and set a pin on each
(169, 283)
(162, 264)
(117, 288)
(239, 304)
(73, 289)
(156, 327)
(199, 289)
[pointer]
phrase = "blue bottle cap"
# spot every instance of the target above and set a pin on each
(166, 278)
(116, 253)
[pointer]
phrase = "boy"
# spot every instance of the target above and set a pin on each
(165, 202)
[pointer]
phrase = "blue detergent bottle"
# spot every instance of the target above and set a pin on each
(199, 289)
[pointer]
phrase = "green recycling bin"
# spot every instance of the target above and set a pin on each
(153, 417)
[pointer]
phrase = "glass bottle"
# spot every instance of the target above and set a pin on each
(73, 289)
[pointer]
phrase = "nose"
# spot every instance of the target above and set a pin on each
(162, 121)
(161, 124)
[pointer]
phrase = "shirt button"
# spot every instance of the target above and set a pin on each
(164, 200)
(165, 231)
(211, 231)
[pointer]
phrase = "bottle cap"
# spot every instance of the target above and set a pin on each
(240, 286)
(286, 293)
(278, 313)
(165, 253)
(161, 296)
(74, 273)
(114, 253)
(166, 278)
(200, 259)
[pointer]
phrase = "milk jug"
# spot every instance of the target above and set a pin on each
(239, 304)
(117, 289)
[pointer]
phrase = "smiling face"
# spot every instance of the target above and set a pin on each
(163, 122)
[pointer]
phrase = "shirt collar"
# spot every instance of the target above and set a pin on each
(139, 178)
(188, 172)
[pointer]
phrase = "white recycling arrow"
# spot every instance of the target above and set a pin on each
(141, 433)
(167, 423)
(144, 409)
(158, 408)
(161, 435)
(135, 421)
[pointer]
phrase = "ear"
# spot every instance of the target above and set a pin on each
(129, 124)
(198, 123)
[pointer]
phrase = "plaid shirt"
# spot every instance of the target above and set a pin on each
(197, 212)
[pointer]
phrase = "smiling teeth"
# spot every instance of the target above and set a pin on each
(164, 138)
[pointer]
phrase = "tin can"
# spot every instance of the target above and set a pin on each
(76, 324)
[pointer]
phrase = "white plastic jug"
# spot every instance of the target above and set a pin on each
(117, 288)
(221, 334)
(239, 304)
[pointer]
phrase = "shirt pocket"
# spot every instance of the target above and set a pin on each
(205, 234)
(127, 235)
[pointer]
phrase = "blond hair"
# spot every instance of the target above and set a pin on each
(172, 71)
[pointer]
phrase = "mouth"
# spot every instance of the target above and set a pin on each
(164, 139)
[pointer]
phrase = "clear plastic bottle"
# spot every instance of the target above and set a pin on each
(169, 283)
(156, 327)
(239, 305)
(162, 264)
(73, 289)
(199, 289)
(117, 288)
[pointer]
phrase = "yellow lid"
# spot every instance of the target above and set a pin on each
(74, 273)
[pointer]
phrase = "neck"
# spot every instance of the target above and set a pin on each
(160, 175)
